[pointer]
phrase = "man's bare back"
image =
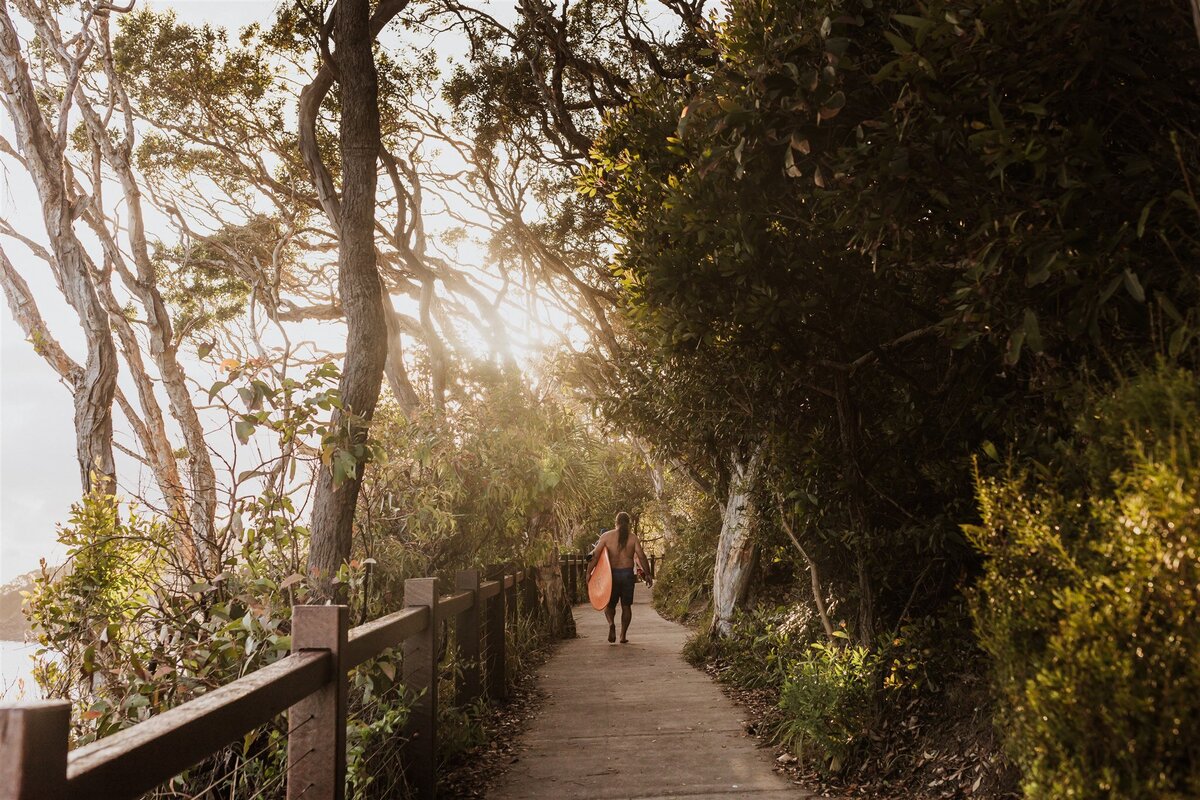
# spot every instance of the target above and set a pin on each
(623, 557)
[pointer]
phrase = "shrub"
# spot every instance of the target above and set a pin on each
(830, 699)
(829, 694)
(1090, 603)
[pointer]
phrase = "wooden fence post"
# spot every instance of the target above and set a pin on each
(420, 678)
(572, 573)
(33, 750)
(497, 680)
(317, 724)
(466, 634)
(565, 569)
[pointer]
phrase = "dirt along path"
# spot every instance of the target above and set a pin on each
(634, 721)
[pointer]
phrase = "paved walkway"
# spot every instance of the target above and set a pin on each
(635, 721)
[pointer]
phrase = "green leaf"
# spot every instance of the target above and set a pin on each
(1040, 274)
(800, 144)
(244, 430)
(1110, 289)
(1033, 332)
(916, 23)
(898, 43)
(994, 114)
(344, 466)
(216, 388)
(1134, 287)
(1179, 341)
(991, 451)
(789, 168)
(1185, 198)
(1013, 354)
(1168, 307)
(1141, 226)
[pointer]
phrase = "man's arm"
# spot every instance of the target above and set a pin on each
(641, 557)
(600, 543)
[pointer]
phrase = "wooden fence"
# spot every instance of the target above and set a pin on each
(310, 685)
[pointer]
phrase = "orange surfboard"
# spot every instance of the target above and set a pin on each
(600, 584)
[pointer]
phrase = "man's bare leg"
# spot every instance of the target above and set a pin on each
(626, 616)
(610, 613)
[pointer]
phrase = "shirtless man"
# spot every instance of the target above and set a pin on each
(622, 545)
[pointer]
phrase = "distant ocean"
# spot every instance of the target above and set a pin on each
(16, 671)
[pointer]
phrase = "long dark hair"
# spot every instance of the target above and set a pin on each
(622, 530)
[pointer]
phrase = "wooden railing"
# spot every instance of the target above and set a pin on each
(310, 685)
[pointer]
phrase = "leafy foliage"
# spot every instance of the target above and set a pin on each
(1089, 604)
(684, 579)
(830, 698)
(880, 238)
(509, 474)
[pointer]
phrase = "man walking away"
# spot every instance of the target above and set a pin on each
(623, 546)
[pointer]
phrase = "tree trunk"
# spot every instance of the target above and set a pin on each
(554, 601)
(359, 288)
(147, 427)
(397, 373)
(160, 338)
(736, 549)
(848, 424)
(814, 575)
(43, 153)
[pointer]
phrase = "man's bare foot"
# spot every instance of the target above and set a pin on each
(624, 641)
(612, 633)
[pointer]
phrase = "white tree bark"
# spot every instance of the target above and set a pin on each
(736, 549)
(160, 338)
(43, 154)
(149, 431)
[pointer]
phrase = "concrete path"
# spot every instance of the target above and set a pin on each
(634, 720)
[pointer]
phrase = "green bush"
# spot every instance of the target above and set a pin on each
(1090, 602)
(829, 693)
(830, 699)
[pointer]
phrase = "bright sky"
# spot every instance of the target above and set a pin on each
(38, 474)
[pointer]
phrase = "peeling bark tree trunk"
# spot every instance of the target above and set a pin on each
(555, 603)
(148, 428)
(359, 287)
(43, 153)
(736, 550)
(199, 523)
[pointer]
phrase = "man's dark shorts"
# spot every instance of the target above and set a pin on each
(622, 588)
